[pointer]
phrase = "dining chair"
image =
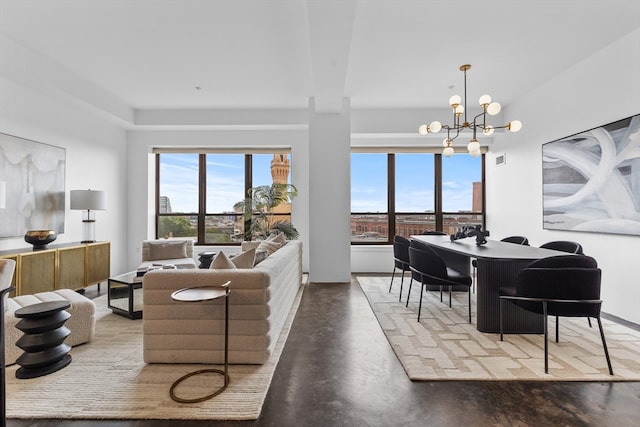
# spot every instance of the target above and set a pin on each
(400, 259)
(430, 269)
(564, 246)
(560, 286)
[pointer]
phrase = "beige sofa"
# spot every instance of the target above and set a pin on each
(178, 252)
(259, 303)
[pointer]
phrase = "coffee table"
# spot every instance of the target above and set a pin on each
(201, 294)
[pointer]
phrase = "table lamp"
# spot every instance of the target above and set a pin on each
(88, 201)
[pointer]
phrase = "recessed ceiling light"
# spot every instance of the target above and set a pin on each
(198, 88)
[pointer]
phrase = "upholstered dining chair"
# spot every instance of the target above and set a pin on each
(564, 246)
(400, 259)
(430, 269)
(560, 286)
(518, 240)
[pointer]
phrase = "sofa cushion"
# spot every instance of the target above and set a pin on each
(245, 260)
(167, 250)
(221, 261)
(272, 244)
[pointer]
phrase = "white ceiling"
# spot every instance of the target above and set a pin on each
(152, 54)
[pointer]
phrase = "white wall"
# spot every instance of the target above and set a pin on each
(602, 89)
(95, 158)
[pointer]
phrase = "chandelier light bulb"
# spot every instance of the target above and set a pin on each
(475, 153)
(423, 130)
(459, 110)
(473, 146)
(446, 142)
(435, 126)
(514, 125)
(485, 100)
(447, 152)
(488, 131)
(493, 108)
(454, 101)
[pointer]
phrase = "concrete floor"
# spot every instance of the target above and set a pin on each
(337, 369)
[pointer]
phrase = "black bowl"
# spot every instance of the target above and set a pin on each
(40, 238)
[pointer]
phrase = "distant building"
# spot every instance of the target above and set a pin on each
(165, 204)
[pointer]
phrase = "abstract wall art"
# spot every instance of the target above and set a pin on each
(32, 194)
(591, 180)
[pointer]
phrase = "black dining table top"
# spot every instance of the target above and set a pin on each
(493, 249)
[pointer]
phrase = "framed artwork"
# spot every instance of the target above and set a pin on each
(591, 180)
(32, 194)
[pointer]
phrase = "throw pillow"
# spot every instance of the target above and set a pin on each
(245, 260)
(221, 261)
(268, 246)
(167, 250)
(260, 256)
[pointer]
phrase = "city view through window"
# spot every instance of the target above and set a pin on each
(396, 195)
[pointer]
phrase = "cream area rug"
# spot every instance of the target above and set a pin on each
(444, 346)
(107, 379)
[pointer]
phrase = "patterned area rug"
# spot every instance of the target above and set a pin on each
(107, 379)
(444, 346)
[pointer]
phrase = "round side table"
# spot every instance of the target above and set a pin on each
(197, 295)
(43, 340)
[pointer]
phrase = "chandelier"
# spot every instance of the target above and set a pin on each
(479, 123)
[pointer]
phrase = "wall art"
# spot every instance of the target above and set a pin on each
(32, 193)
(591, 180)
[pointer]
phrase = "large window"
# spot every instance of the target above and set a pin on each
(198, 193)
(409, 193)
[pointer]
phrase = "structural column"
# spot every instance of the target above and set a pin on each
(330, 194)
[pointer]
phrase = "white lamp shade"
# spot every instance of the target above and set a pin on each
(473, 146)
(88, 200)
(447, 152)
(435, 126)
(423, 130)
(485, 100)
(488, 130)
(515, 125)
(455, 100)
(493, 108)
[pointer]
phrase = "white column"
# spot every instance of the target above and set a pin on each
(329, 194)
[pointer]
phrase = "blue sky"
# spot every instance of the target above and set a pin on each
(414, 181)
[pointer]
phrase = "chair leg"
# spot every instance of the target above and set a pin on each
(450, 296)
(392, 276)
(401, 283)
(409, 292)
(604, 344)
(557, 329)
(469, 306)
(420, 305)
(500, 309)
(440, 293)
(589, 320)
(546, 341)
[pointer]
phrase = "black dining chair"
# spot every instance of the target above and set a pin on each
(518, 240)
(430, 269)
(560, 286)
(400, 259)
(564, 246)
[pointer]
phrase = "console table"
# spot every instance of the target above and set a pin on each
(67, 265)
(499, 264)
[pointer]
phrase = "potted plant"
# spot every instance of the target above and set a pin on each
(260, 211)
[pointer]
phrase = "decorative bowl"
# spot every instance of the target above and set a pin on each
(40, 238)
